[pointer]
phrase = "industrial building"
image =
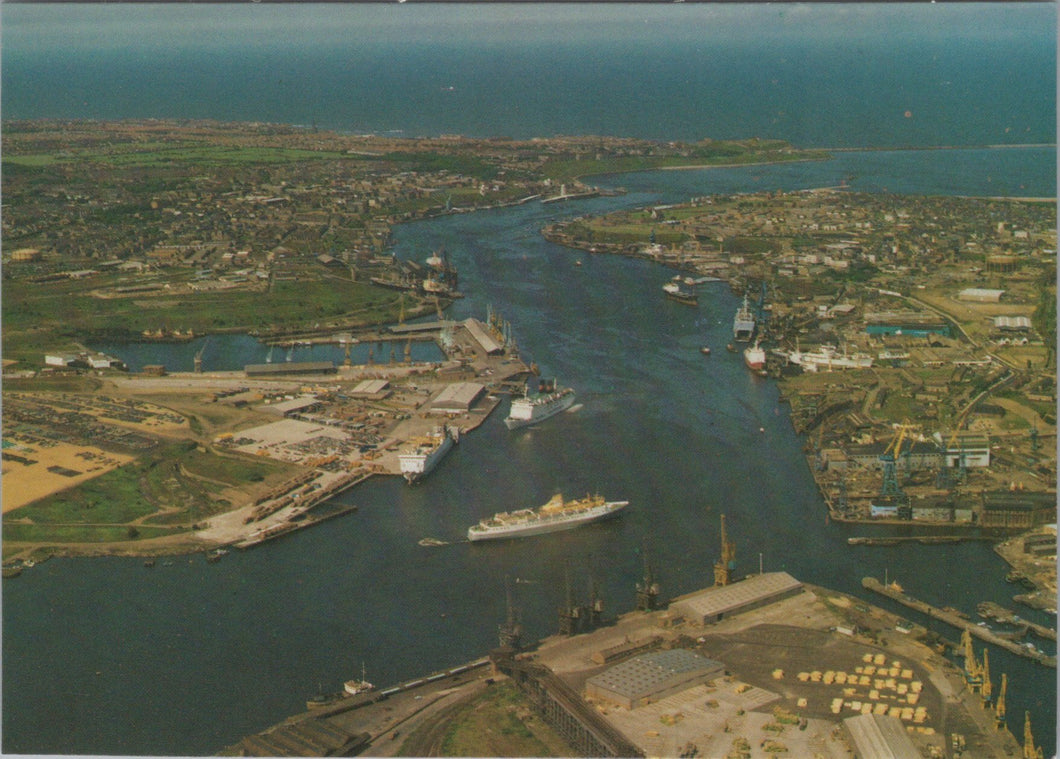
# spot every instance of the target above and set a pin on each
(650, 677)
(969, 451)
(914, 455)
(482, 336)
(716, 603)
(301, 405)
(289, 367)
(374, 389)
(880, 736)
(1017, 509)
(457, 398)
(909, 323)
(980, 295)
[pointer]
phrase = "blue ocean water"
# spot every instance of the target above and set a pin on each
(813, 74)
(187, 657)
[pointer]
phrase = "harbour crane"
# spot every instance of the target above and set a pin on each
(891, 488)
(987, 689)
(972, 672)
(724, 567)
(999, 705)
(1030, 751)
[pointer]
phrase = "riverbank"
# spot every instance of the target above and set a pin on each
(311, 438)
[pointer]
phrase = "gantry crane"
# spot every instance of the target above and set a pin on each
(890, 487)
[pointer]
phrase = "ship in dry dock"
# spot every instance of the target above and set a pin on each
(554, 516)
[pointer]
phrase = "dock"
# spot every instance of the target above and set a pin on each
(991, 610)
(952, 619)
(927, 540)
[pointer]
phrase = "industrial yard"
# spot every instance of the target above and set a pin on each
(839, 677)
(270, 444)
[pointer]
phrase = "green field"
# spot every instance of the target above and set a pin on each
(166, 154)
(162, 493)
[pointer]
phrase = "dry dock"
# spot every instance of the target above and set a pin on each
(871, 583)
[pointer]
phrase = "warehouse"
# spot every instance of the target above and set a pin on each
(482, 337)
(980, 295)
(457, 398)
(877, 736)
(650, 677)
(714, 604)
(289, 367)
(374, 389)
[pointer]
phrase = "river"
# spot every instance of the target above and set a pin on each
(108, 656)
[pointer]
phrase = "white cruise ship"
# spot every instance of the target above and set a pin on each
(555, 515)
(532, 408)
(423, 454)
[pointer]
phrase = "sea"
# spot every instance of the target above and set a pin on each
(107, 656)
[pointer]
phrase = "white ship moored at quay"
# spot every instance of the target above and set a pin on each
(826, 358)
(755, 357)
(744, 323)
(555, 515)
(424, 453)
(532, 408)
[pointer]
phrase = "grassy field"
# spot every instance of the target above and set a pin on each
(42, 318)
(159, 494)
(168, 154)
(501, 723)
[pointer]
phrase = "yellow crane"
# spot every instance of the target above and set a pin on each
(724, 566)
(999, 707)
(1030, 751)
(986, 690)
(972, 671)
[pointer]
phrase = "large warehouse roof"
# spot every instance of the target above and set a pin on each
(713, 603)
(652, 673)
(879, 736)
(457, 397)
(482, 336)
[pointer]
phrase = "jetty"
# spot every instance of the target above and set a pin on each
(953, 619)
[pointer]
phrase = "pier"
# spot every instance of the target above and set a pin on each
(952, 619)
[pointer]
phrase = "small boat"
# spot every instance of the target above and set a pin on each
(357, 687)
(432, 542)
(705, 350)
(676, 291)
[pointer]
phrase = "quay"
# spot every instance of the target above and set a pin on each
(952, 619)
(991, 610)
(681, 679)
(924, 539)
